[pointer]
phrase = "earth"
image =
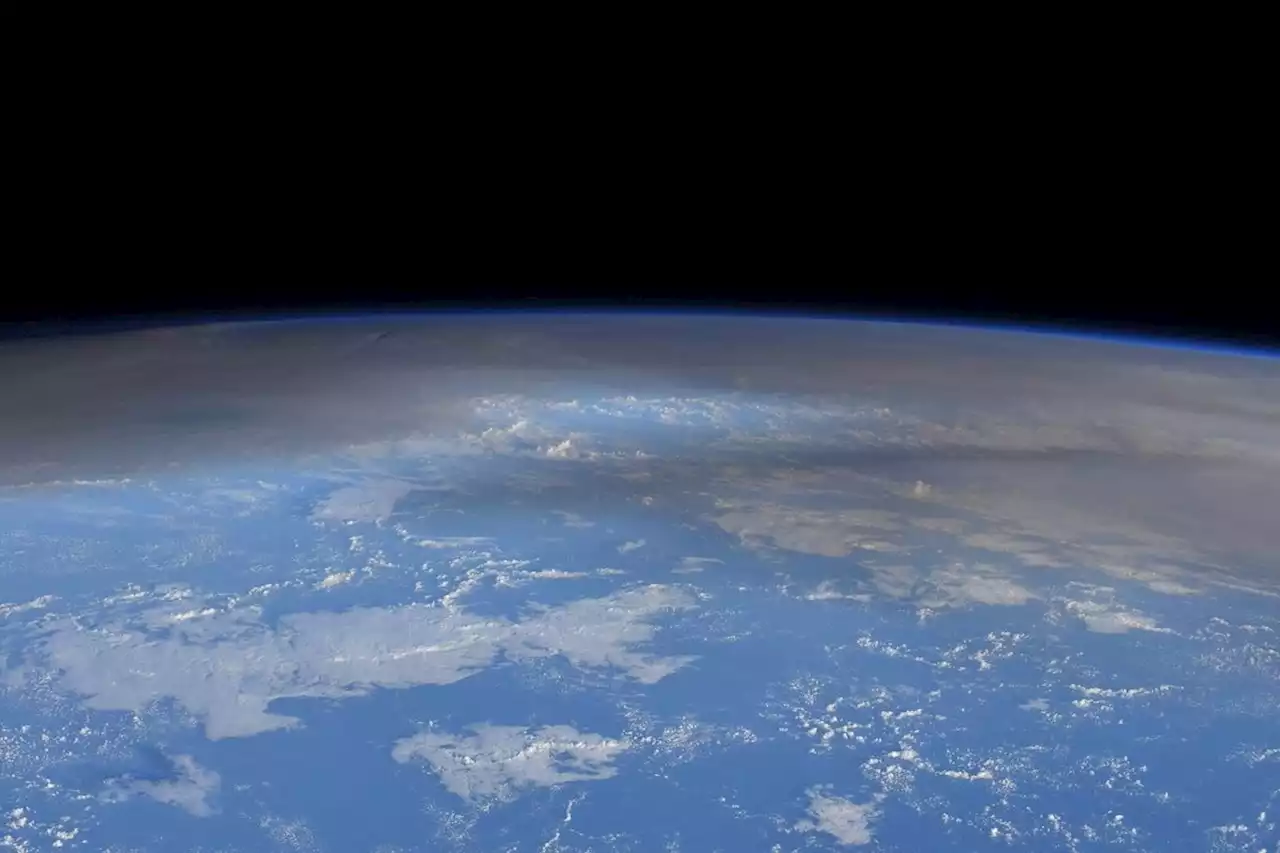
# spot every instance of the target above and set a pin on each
(580, 583)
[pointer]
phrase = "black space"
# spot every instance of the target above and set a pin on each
(976, 190)
(960, 286)
(912, 251)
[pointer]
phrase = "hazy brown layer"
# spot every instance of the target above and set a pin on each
(1182, 443)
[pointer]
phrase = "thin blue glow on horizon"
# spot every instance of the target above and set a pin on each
(1154, 341)
(1171, 342)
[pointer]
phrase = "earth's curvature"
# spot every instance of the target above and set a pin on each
(636, 583)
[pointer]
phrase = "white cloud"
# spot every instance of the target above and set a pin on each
(1030, 550)
(189, 788)
(693, 565)
(374, 500)
(524, 437)
(1125, 692)
(628, 547)
(228, 667)
(556, 574)
(185, 615)
(951, 585)
(53, 484)
(518, 577)
(572, 519)
(1109, 617)
(828, 591)
(564, 450)
(35, 604)
(1170, 587)
(846, 821)
(293, 834)
(453, 542)
(336, 579)
(835, 533)
(603, 633)
(497, 762)
(966, 585)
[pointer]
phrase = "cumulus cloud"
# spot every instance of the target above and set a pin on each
(1108, 617)
(830, 591)
(1100, 610)
(524, 437)
(555, 574)
(336, 579)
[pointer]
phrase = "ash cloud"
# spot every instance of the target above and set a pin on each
(1062, 435)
